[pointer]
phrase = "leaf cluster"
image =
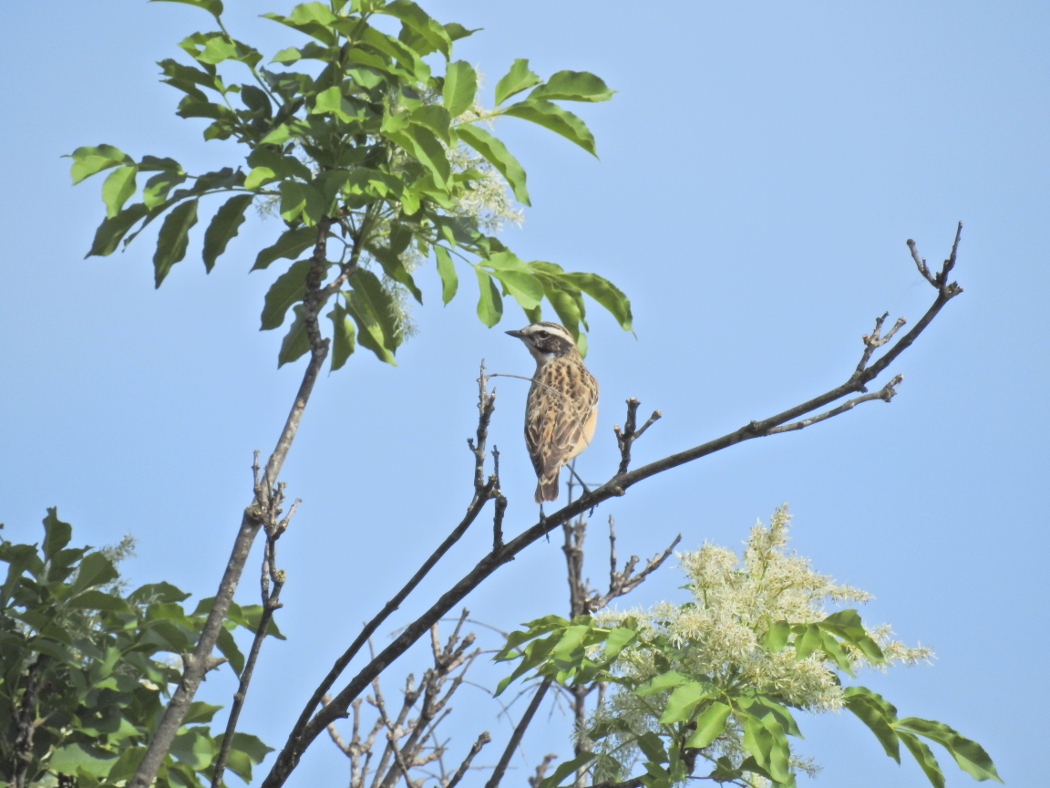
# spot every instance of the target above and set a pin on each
(350, 137)
(86, 668)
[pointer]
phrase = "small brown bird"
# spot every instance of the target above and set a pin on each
(562, 408)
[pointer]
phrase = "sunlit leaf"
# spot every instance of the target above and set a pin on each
(519, 78)
(173, 239)
(461, 84)
(495, 153)
(573, 86)
(224, 226)
(490, 302)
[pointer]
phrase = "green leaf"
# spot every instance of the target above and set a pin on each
(776, 636)
(524, 286)
(662, 683)
(224, 226)
(490, 303)
(553, 117)
(605, 293)
(94, 570)
(195, 748)
(426, 34)
(109, 233)
(158, 187)
(301, 199)
(56, 533)
(213, 7)
(877, 714)
(343, 333)
(683, 701)
(495, 153)
(924, 755)
(245, 751)
(421, 143)
(291, 244)
(970, 755)
(808, 641)
(332, 100)
(435, 119)
(228, 648)
(289, 288)
(373, 310)
(296, 342)
(173, 239)
(90, 159)
(573, 86)
(617, 640)
(447, 272)
(81, 757)
(519, 78)
(710, 724)
(461, 84)
(118, 188)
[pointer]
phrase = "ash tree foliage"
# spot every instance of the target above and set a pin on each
(359, 146)
(707, 688)
(86, 666)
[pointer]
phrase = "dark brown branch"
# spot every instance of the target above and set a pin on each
(482, 740)
(519, 732)
(303, 734)
(626, 438)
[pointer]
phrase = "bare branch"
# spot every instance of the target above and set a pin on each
(482, 740)
(541, 770)
(629, 435)
(519, 731)
(886, 393)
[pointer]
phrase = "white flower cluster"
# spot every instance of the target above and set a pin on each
(716, 636)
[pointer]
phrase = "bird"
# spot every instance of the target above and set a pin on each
(562, 407)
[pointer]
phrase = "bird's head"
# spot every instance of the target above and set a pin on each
(546, 341)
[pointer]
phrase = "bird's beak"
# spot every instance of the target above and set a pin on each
(516, 333)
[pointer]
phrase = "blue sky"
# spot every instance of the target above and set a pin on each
(760, 169)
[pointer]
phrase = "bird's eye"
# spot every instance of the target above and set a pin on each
(542, 335)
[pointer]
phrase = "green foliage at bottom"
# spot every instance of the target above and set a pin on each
(86, 669)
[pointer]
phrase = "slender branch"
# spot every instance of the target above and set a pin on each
(304, 734)
(271, 596)
(484, 490)
(629, 435)
(482, 740)
(519, 731)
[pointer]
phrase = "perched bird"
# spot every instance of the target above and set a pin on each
(562, 408)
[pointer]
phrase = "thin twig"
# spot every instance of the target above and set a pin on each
(629, 435)
(482, 740)
(519, 731)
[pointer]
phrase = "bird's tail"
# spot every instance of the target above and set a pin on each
(547, 489)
